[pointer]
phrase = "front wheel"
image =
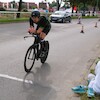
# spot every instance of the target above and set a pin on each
(46, 51)
(29, 59)
(69, 18)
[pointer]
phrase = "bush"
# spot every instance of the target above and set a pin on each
(24, 10)
(2, 9)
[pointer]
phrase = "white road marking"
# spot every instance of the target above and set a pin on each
(26, 81)
(15, 78)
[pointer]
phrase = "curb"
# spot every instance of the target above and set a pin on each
(92, 67)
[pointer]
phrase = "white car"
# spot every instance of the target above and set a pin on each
(60, 16)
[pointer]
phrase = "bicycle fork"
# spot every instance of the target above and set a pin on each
(31, 55)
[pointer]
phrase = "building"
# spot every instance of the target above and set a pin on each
(32, 5)
(1, 4)
(14, 5)
(43, 5)
(28, 5)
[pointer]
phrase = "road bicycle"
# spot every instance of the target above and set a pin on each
(35, 52)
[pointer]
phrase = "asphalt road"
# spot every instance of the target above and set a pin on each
(71, 53)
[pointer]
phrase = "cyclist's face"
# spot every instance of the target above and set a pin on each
(35, 19)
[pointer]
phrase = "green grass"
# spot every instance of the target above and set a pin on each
(84, 17)
(84, 97)
(13, 20)
(25, 17)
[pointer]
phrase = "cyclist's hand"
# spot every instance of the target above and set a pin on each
(31, 30)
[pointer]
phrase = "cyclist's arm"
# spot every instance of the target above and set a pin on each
(31, 22)
(31, 28)
(39, 30)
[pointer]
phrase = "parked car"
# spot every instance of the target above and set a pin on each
(60, 16)
(85, 13)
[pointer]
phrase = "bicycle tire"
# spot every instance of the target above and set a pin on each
(30, 50)
(43, 59)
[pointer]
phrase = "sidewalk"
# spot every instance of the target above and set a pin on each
(84, 79)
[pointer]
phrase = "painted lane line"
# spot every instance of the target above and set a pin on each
(26, 81)
(15, 78)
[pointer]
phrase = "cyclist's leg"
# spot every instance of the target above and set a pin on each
(42, 36)
(43, 49)
(42, 41)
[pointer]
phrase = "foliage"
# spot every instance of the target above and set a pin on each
(84, 3)
(19, 8)
(24, 10)
(13, 20)
(2, 9)
(53, 4)
(81, 6)
(33, 7)
(84, 97)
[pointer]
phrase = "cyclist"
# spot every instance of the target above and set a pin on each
(43, 26)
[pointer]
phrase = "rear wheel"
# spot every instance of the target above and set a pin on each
(43, 59)
(29, 59)
(63, 20)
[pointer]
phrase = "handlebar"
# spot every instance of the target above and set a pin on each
(27, 36)
(33, 35)
(36, 36)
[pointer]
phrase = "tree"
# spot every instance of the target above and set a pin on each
(19, 8)
(13, 4)
(53, 4)
(58, 4)
(95, 4)
(84, 4)
(74, 3)
(98, 4)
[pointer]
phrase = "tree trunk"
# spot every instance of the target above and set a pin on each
(94, 9)
(84, 7)
(72, 8)
(58, 5)
(19, 8)
(98, 5)
(99, 8)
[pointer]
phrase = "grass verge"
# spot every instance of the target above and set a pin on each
(84, 17)
(84, 96)
(13, 20)
(10, 20)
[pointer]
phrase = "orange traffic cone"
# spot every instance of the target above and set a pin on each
(96, 25)
(99, 19)
(79, 20)
(82, 31)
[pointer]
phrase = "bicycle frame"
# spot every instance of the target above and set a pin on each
(37, 38)
(35, 52)
(35, 44)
